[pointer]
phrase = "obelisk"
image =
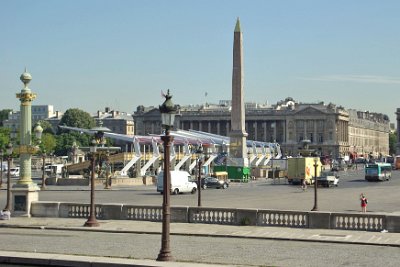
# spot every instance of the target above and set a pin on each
(238, 148)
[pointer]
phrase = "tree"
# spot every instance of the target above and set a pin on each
(4, 137)
(48, 143)
(65, 141)
(4, 115)
(77, 118)
(392, 143)
(74, 118)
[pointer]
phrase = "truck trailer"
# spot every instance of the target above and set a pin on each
(303, 168)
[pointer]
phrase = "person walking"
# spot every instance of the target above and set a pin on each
(304, 185)
(364, 203)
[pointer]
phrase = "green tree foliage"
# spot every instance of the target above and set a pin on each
(65, 141)
(74, 118)
(4, 137)
(4, 115)
(77, 118)
(392, 143)
(48, 143)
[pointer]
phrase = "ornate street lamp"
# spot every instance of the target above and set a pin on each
(199, 152)
(9, 151)
(43, 187)
(167, 110)
(108, 172)
(91, 221)
(315, 208)
(98, 140)
(1, 174)
(38, 130)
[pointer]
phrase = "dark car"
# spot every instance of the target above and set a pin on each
(212, 182)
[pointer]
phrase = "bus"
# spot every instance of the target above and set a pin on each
(378, 171)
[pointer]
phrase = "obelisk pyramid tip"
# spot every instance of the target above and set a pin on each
(237, 27)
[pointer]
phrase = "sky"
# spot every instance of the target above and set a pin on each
(93, 54)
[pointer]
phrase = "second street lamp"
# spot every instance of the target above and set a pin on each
(43, 187)
(108, 172)
(1, 174)
(95, 150)
(9, 150)
(91, 221)
(167, 110)
(315, 208)
(199, 152)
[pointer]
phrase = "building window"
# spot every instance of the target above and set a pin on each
(300, 124)
(311, 137)
(320, 138)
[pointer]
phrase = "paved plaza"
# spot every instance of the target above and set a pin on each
(260, 194)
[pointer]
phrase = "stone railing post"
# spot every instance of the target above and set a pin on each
(180, 214)
(320, 220)
(246, 216)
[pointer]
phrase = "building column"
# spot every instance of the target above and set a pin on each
(255, 130)
(264, 125)
(315, 132)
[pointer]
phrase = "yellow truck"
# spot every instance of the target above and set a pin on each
(303, 168)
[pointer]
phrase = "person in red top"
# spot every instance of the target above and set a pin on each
(364, 203)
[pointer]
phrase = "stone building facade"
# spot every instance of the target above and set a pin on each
(116, 121)
(39, 112)
(368, 133)
(332, 130)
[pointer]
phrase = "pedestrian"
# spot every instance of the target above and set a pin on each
(364, 203)
(304, 185)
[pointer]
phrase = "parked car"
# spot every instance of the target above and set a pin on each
(328, 179)
(212, 182)
(14, 172)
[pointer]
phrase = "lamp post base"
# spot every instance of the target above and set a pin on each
(91, 223)
(314, 209)
(20, 199)
(165, 256)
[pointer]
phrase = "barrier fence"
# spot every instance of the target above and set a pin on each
(224, 216)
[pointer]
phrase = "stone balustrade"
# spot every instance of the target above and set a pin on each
(225, 216)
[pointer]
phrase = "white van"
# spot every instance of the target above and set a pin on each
(54, 170)
(180, 183)
(14, 172)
